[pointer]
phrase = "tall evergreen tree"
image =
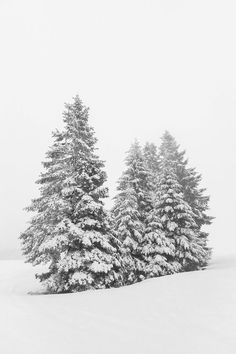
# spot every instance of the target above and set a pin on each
(158, 250)
(178, 220)
(132, 203)
(190, 181)
(70, 231)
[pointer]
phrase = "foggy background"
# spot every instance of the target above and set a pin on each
(142, 67)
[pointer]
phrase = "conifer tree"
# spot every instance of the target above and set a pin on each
(178, 220)
(132, 204)
(190, 181)
(129, 229)
(69, 231)
(158, 251)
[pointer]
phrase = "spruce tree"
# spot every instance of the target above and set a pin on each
(190, 181)
(129, 229)
(132, 204)
(178, 220)
(156, 248)
(69, 231)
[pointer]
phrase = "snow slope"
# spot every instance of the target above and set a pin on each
(184, 313)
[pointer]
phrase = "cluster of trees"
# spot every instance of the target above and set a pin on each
(155, 228)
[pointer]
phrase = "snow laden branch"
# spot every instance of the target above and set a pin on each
(156, 226)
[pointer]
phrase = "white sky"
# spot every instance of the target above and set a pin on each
(142, 67)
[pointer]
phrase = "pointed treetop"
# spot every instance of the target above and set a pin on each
(169, 150)
(151, 157)
(134, 151)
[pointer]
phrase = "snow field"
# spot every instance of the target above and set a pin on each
(188, 313)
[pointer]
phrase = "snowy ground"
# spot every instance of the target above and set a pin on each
(184, 313)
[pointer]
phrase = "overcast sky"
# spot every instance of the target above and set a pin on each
(142, 67)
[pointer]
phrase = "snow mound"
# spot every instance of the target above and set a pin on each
(188, 313)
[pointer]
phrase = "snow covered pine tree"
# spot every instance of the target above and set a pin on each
(192, 194)
(69, 231)
(132, 203)
(157, 250)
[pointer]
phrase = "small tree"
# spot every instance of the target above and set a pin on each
(70, 231)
